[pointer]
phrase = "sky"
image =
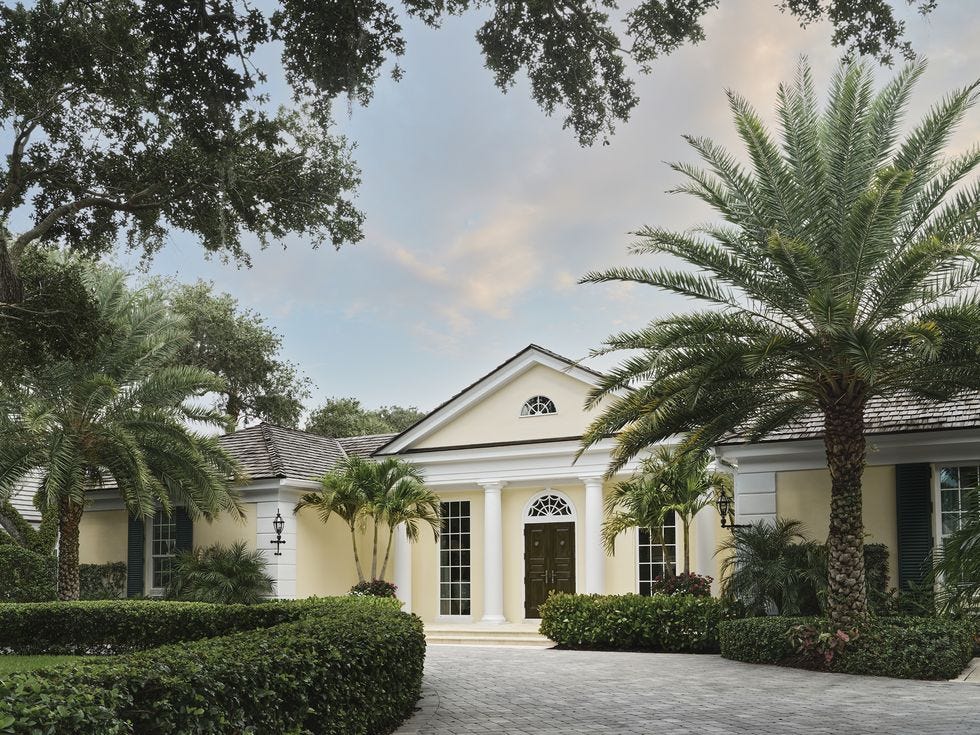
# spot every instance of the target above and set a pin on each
(482, 212)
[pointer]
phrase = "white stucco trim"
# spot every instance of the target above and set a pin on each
(484, 387)
(945, 447)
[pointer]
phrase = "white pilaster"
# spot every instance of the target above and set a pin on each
(403, 567)
(595, 558)
(281, 568)
(706, 525)
(755, 497)
(493, 553)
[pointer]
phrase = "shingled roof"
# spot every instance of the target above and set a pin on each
(893, 415)
(268, 451)
(364, 446)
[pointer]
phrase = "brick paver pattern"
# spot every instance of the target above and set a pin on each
(512, 691)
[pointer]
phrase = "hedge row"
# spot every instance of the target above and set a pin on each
(348, 666)
(904, 648)
(633, 622)
(119, 626)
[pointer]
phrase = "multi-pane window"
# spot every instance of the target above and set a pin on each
(958, 489)
(657, 550)
(163, 545)
(454, 559)
(538, 406)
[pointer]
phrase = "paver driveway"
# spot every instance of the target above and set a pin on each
(547, 692)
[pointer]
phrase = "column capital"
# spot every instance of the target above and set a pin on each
(492, 486)
(591, 479)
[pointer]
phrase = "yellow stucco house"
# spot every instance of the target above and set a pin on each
(523, 517)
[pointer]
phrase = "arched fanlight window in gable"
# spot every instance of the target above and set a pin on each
(538, 406)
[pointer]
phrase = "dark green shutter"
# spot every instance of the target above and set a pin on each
(184, 531)
(135, 557)
(913, 505)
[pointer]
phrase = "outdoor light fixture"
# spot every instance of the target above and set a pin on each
(726, 508)
(279, 524)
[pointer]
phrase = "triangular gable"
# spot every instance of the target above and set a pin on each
(533, 370)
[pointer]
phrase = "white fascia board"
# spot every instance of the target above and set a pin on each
(516, 465)
(961, 445)
(484, 388)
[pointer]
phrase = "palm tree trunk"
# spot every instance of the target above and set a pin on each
(357, 556)
(669, 570)
(847, 600)
(374, 553)
(69, 520)
(391, 536)
(686, 523)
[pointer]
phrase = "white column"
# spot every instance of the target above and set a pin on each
(403, 567)
(706, 525)
(595, 558)
(493, 554)
(281, 568)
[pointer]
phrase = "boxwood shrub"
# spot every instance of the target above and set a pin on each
(904, 648)
(633, 622)
(27, 576)
(345, 666)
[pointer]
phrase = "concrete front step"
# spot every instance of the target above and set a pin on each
(508, 634)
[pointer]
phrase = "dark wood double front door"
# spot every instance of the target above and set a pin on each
(549, 563)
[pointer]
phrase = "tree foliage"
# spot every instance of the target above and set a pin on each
(844, 269)
(131, 119)
(237, 345)
(339, 417)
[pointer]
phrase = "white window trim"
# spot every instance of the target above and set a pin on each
(679, 539)
(148, 587)
(572, 517)
(440, 618)
(522, 415)
(937, 502)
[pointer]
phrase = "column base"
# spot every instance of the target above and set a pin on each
(493, 619)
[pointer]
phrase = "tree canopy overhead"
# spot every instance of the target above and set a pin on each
(339, 417)
(130, 119)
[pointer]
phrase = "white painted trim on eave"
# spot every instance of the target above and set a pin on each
(497, 379)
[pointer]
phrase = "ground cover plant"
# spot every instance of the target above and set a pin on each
(340, 665)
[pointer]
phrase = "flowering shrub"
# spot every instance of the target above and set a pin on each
(374, 588)
(820, 641)
(686, 583)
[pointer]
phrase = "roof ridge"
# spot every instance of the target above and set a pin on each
(275, 461)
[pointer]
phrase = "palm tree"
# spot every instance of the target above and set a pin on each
(388, 492)
(670, 481)
(955, 571)
(843, 270)
(119, 419)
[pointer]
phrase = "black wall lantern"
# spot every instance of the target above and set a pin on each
(726, 509)
(279, 524)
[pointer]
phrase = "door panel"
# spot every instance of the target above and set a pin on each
(549, 563)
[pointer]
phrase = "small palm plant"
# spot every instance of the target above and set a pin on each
(956, 571)
(843, 270)
(770, 567)
(670, 481)
(225, 575)
(389, 493)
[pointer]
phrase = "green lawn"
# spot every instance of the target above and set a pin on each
(10, 664)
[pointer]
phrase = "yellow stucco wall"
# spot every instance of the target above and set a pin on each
(103, 536)
(497, 417)
(804, 495)
(226, 529)
(325, 558)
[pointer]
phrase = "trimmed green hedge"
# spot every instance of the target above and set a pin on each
(26, 576)
(904, 648)
(632, 622)
(120, 626)
(348, 665)
(102, 581)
